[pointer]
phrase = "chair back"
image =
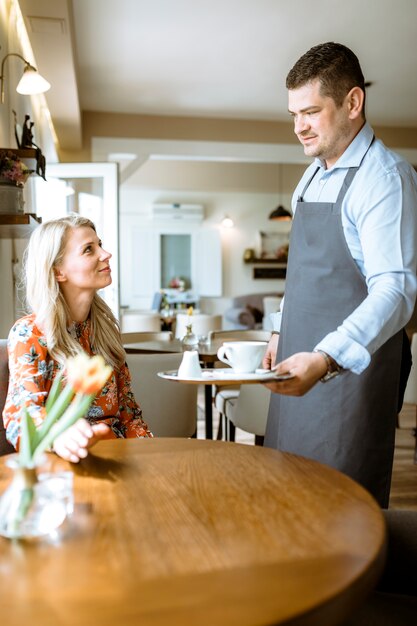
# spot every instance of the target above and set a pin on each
(271, 305)
(202, 323)
(240, 335)
(410, 394)
(249, 411)
(156, 301)
(169, 408)
(137, 321)
(5, 446)
(163, 335)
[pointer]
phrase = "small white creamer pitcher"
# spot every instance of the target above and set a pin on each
(190, 365)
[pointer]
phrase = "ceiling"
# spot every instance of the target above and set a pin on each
(216, 58)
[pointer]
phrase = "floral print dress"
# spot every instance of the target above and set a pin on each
(32, 372)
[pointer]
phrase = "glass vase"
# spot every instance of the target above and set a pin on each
(35, 503)
(190, 340)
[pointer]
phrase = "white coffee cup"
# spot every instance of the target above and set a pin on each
(190, 365)
(243, 356)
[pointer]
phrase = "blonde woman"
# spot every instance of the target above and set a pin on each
(65, 266)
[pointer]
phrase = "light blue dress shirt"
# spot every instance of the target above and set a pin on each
(379, 220)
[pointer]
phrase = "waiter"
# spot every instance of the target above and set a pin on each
(351, 281)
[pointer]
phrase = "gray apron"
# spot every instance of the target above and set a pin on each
(349, 422)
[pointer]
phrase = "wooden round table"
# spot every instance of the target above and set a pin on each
(190, 532)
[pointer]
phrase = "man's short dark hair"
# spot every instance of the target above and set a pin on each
(334, 65)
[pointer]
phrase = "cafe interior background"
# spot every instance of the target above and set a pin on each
(165, 103)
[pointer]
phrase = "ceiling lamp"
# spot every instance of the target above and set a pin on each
(31, 82)
(227, 222)
(280, 214)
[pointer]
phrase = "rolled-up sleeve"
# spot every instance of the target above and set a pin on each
(380, 225)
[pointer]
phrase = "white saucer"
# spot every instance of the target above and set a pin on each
(226, 376)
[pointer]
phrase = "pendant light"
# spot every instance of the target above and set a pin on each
(280, 213)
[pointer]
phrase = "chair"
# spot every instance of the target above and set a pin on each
(410, 394)
(248, 411)
(157, 301)
(394, 601)
(138, 321)
(240, 335)
(223, 394)
(5, 446)
(271, 305)
(247, 312)
(163, 335)
(202, 323)
(169, 408)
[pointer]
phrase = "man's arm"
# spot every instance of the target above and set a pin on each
(381, 233)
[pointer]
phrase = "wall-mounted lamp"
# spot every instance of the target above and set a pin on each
(30, 83)
(227, 222)
(69, 190)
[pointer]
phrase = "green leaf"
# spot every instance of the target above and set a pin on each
(25, 500)
(54, 392)
(76, 410)
(28, 439)
(56, 411)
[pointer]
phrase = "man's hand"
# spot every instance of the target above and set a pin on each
(73, 444)
(271, 353)
(306, 367)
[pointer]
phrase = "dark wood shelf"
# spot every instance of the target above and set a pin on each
(271, 261)
(18, 226)
(22, 153)
(27, 155)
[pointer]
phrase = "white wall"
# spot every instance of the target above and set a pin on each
(11, 251)
(249, 212)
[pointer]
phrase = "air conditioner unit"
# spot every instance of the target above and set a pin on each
(180, 212)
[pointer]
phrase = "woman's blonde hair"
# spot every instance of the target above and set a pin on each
(44, 297)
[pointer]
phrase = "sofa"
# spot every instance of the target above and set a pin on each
(247, 312)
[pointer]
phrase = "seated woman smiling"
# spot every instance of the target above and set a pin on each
(65, 266)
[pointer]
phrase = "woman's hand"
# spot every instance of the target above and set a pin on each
(73, 444)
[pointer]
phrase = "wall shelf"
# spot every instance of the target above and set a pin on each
(265, 261)
(22, 153)
(267, 268)
(276, 271)
(18, 226)
(28, 155)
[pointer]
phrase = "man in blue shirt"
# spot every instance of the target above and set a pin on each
(351, 280)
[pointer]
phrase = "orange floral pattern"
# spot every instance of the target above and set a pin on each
(32, 372)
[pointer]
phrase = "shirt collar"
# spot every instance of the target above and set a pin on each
(355, 151)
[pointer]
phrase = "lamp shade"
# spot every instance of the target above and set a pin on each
(280, 214)
(227, 222)
(32, 82)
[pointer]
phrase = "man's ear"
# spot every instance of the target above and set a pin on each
(59, 275)
(355, 101)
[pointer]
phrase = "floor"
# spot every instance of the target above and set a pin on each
(404, 478)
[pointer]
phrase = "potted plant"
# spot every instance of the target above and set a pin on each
(13, 176)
